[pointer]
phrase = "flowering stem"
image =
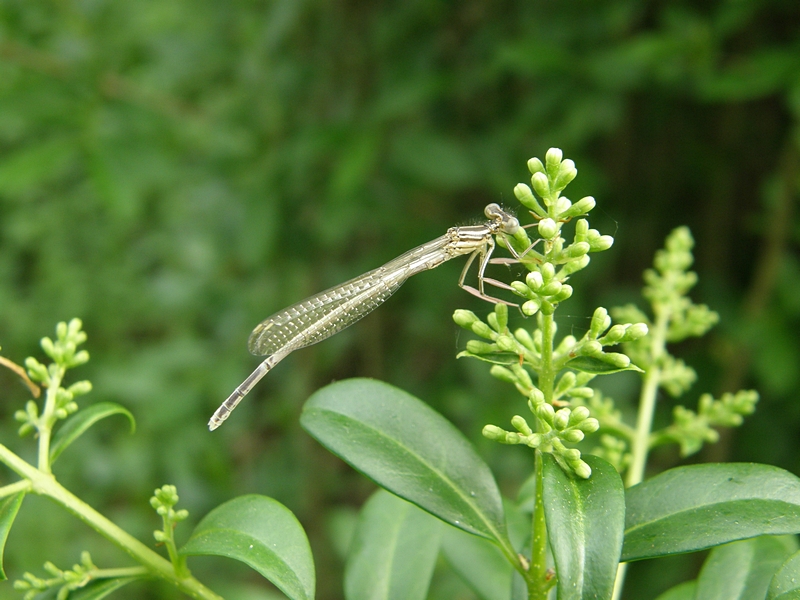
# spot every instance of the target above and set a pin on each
(45, 484)
(644, 420)
(47, 419)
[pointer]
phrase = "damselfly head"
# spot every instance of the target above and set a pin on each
(508, 223)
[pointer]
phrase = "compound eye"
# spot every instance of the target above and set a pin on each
(493, 211)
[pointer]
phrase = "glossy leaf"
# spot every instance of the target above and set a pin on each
(682, 591)
(743, 570)
(699, 506)
(82, 420)
(263, 534)
(8, 512)
(585, 521)
(393, 552)
(97, 590)
(409, 449)
(785, 585)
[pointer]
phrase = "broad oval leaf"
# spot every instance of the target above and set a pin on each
(393, 552)
(785, 585)
(411, 450)
(585, 522)
(743, 570)
(8, 512)
(699, 506)
(78, 423)
(263, 534)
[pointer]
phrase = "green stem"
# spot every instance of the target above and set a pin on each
(48, 419)
(15, 488)
(644, 421)
(547, 375)
(118, 573)
(538, 585)
(45, 484)
(647, 401)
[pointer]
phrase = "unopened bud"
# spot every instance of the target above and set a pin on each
(548, 271)
(534, 280)
(582, 470)
(521, 425)
(535, 166)
(561, 420)
(548, 228)
(578, 249)
(541, 185)
(604, 242)
(553, 159)
(530, 308)
(493, 432)
(581, 207)
(464, 318)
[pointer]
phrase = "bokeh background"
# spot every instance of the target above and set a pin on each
(172, 172)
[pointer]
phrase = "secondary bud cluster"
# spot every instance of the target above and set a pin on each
(65, 355)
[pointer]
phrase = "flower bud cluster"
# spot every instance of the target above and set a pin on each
(546, 286)
(556, 427)
(691, 429)
(542, 290)
(163, 501)
(601, 334)
(614, 450)
(668, 284)
(495, 330)
(64, 351)
(66, 581)
(65, 355)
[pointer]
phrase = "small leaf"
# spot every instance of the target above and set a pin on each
(682, 591)
(8, 512)
(742, 570)
(78, 423)
(595, 366)
(699, 506)
(263, 534)
(393, 552)
(585, 521)
(785, 585)
(409, 449)
(97, 590)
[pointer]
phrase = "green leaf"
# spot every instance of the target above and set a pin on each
(409, 449)
(595, 366)
(8, 512)
(585, 521)
(393, 552)
(97, 590)
(78, 423)
(36, 164)
(785, 585)
(479, 563)
(263, 534)
(743, 570)
(682, 591)
(699, 506)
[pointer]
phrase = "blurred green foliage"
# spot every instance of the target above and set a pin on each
(172, 172)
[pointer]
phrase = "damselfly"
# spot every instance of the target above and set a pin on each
(319, 317)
